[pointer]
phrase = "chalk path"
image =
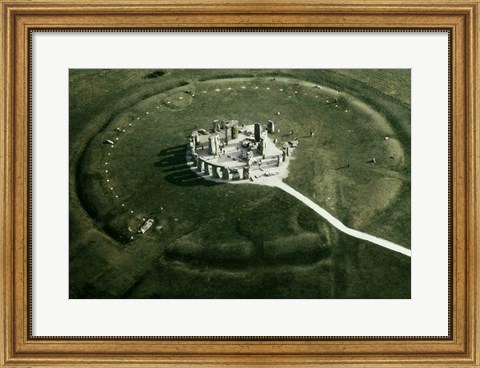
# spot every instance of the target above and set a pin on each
(339, 225)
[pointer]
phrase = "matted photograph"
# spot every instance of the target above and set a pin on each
(240, 184)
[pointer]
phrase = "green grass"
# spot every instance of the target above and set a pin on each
(234, 241)
(393, 83)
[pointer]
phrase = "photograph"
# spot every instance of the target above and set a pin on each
(239, 183)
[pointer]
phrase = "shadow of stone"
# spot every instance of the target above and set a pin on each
(172, 150)
(173, 163)
(343, 167)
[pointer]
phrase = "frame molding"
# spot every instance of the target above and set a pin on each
(460, 18)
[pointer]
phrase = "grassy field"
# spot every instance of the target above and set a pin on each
(395, 84)
(236, 241)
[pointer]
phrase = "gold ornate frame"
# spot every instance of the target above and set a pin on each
(19, 18)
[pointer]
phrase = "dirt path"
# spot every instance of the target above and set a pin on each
(340, 226)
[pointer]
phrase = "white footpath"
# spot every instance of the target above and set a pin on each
(339, 225)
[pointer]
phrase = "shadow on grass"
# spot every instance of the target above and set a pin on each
(172, 161)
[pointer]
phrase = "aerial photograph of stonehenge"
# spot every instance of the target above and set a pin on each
(239, 184)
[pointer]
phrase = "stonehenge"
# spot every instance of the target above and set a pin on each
(240, 153)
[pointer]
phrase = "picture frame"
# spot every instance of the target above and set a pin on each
(20, 348)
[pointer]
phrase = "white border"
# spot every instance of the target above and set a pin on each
(426, 314)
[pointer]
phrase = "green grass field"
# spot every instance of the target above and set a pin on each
(213, 240)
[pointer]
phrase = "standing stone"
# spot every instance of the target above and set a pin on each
(278, 160)
(249, 158)
(207, 169)
(194, 137)
(225, 173)
(246, 173)
(216, 125)
(213, 144)
(284, 155)
(234, 131)
(200, 165)
(226, 134)
(258, 132)
(262, 145)
(215, 171)
(271, 127)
